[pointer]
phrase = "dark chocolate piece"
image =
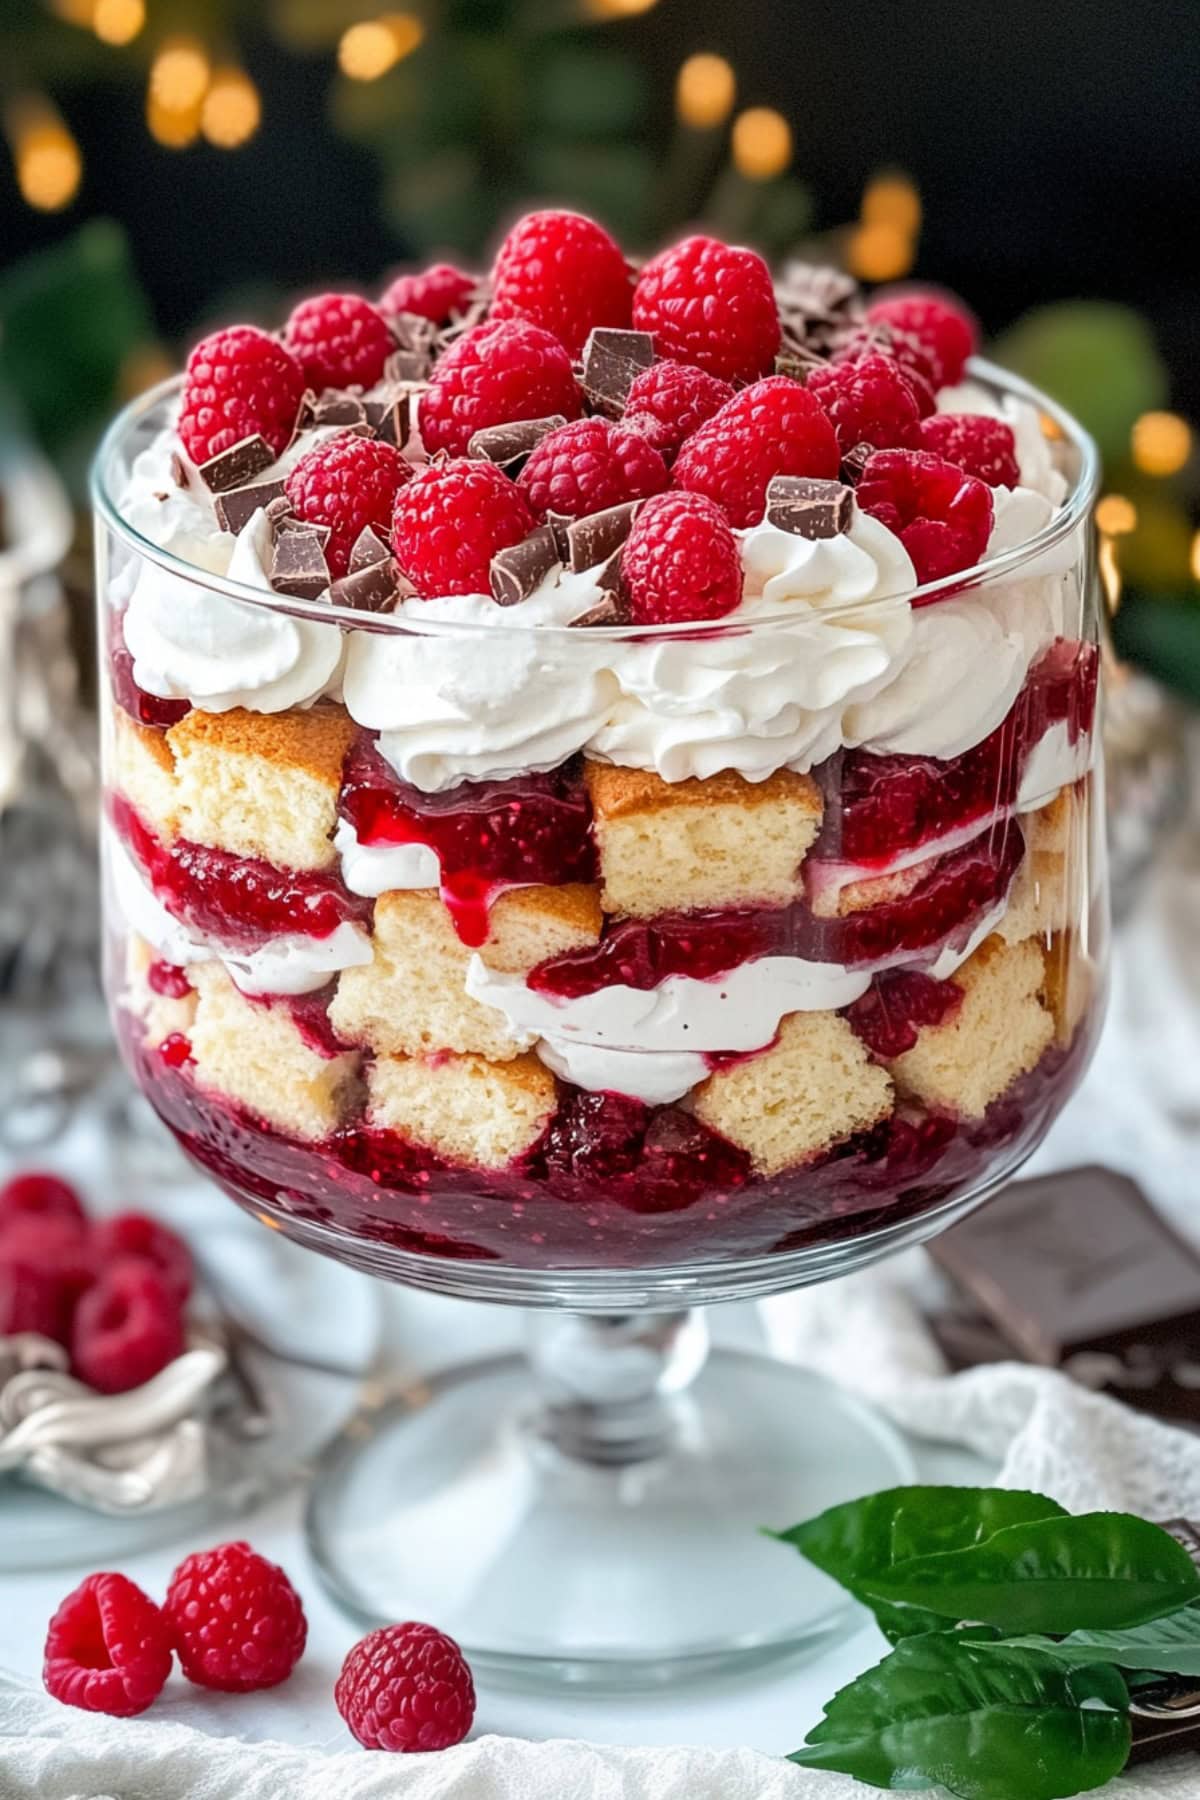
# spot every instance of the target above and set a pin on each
(593, 538)
(179, 474)
(368, 548)
(391, 414)
(298, 566)
(413, 331)
(237, 507)
(237, 465)
(1077, 1271)
(278, 510)
(407, 365)
(559, 524)
(609, 611)
(612, 359)
(517, 571)
(808, 508)
(509, 445)
(855, 461)
(371, 588)
(338, 406)
(818, 307)
(303, 528)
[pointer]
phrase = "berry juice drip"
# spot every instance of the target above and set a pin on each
(239, 900)
(941, 912)
(487, 835)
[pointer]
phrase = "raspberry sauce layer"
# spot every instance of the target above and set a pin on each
(147, 709)
(487, 835)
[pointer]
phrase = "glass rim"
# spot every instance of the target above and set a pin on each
(1075, 508)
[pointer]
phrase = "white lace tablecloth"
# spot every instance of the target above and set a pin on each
(1139, 1110)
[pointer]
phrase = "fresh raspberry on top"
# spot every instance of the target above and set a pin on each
(45, 1264)
(941, 516)
(670, 400)
(977, 444)
(942, 324)
(40, 1194)
(588, 465)
(406, 1687)
(435, 293)
(239, 383)
(108, 1648)
(450, 521)
(340, 340)
(499, 371)
(565, 273)
(681, 562)
(775, 427)
(347, 482)
(235, 1618)
(137, 1235)
(128, 1327)
(902, 347)
(711, 304)
(870, 401)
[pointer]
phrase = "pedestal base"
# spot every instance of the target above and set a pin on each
(452, 1505)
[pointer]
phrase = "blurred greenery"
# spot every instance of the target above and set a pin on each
(1099, 359)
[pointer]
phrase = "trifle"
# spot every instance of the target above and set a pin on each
(599, 759)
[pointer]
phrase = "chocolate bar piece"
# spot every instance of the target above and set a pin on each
(337, 406)
(808, 508)
(1077, 1271)
(855, 461)
(612, 360)
(593, 538)
(371, 588)
(509, 445)
(368, 548)
(237, 507)
(298, 566)
(239, 464)
(517, 571)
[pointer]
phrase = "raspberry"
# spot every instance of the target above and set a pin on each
(492, 374)
(347, 483)
(239, 383)
(565, 273)
(976, 444)
(583, 467)
(39, 1194)
(127, 1327)
(870, 401)
(681, 561)
(108, 1648)
(235, 1619)
(670, 400)
(710, 304)
(941, 516)
(339, 340)
(435, 293)
(940, 323)
(136, 1235)
(44, 1267)
(903, 348)
(406, 1687)
(451, 519)
(773, 428)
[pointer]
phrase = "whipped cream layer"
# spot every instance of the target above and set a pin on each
(374, 869)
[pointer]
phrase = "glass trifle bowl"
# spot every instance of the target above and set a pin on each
(511, 947)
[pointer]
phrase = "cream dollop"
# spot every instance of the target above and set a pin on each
(189, 642)
(374, 869)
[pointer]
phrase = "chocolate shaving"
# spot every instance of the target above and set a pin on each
(393, 413)
(237, 465)
(368, 549)
(509, 445)
(808, 508)
(517, 571)
(560, 524)
(239, 505)
(413, 331)
(593, 539)
(474, 313)
(612, 359)
(179, 474)
(371, 588)
(338, 406)
(612, 610)
(855, 461)
(407, 365)
(817, 289)
(298, 566)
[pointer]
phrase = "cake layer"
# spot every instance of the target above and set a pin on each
(464, 1109)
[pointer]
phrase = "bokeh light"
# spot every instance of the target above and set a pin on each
(373, 46)
(48, 161)
(1116, 516)
(1194, 561)
(705, 90)
(118, 21)
(1160, 443)
(232, 109)
(619, 9)
(879, 252)
(179, 76)
(174, 130)
(891, 198)
(762, 143)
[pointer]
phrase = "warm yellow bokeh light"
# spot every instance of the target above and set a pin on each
(179, 76)
(891, 199)
(1116, 516)
(174, 130)
(1161, 443)
(232, 109)
(619, 9)
(118, 21)
(73, 12)
(368, 50)
(1194, 560)
(705, 89)
(762, 143)
(879, 252)
(48, 161)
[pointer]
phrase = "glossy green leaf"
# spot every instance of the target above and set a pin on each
(1168, 1646)
(988, 1723)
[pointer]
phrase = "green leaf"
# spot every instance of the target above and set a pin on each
(1098, 1571)
(861, 1542)
(986, 1722)
(1168, 1646)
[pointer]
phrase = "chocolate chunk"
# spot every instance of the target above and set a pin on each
(371, 588)
(808, 508)
(855, 461)
(298, 566)
(509, 445)
(407, 365)
(1078, 1272)
(179, 474)
(337, 406)
(393, 413)
(612, 359)
(593, 539)
(368, 549)
(609, 611)
(237, 465)
(817, 288)
(414, 332)
(237, 507)
(516, 572)
(278, 510)
(303, 528)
